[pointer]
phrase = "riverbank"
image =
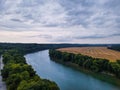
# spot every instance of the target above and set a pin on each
(104, 77)
(100, 68)
(18, 75)
(2, 84)
(66, 77)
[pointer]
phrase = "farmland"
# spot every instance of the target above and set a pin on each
(96, 52)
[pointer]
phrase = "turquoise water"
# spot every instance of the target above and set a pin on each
(66, 77)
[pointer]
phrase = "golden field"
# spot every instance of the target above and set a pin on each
(96, 52)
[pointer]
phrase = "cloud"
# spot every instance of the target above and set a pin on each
(16, 20)
(96, 36)
(45, 36)
(62, 20)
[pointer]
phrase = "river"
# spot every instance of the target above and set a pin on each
(66, 77)
(2, 84)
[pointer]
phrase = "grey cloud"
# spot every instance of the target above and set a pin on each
(77, 12)
(96, 36)
(42, 36)
(62, 39)
(2, 2)
(16, 20)
(69, 15)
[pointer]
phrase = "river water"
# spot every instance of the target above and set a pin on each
(65, 77)
(2, 84)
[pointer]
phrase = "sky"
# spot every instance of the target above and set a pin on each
(60, 21)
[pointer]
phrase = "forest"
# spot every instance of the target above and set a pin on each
(114, 47)
(26, 48)
(97, 65)
(18, 75)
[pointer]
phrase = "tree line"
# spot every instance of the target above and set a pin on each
(18, 75)
(26, 48)
(87, 62)
(114, 47)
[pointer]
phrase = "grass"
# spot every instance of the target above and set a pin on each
(95, 52)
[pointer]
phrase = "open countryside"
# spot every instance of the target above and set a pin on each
(59, 45)
(96, 52)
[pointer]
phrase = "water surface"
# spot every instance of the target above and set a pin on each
(66, 77)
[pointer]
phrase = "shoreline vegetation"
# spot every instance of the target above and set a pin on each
(101, 69)
(18, 75)
(16, 61)
(95, 52)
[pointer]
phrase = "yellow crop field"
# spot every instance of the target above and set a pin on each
(96, 52)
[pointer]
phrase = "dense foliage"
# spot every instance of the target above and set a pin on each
(26, 48)
(114, 47)
(18, 75)
(87, 62)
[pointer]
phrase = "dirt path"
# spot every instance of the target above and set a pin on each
(2, 84)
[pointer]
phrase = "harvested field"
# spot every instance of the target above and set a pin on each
(96, 52)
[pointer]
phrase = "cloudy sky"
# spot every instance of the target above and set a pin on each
(60, 21)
